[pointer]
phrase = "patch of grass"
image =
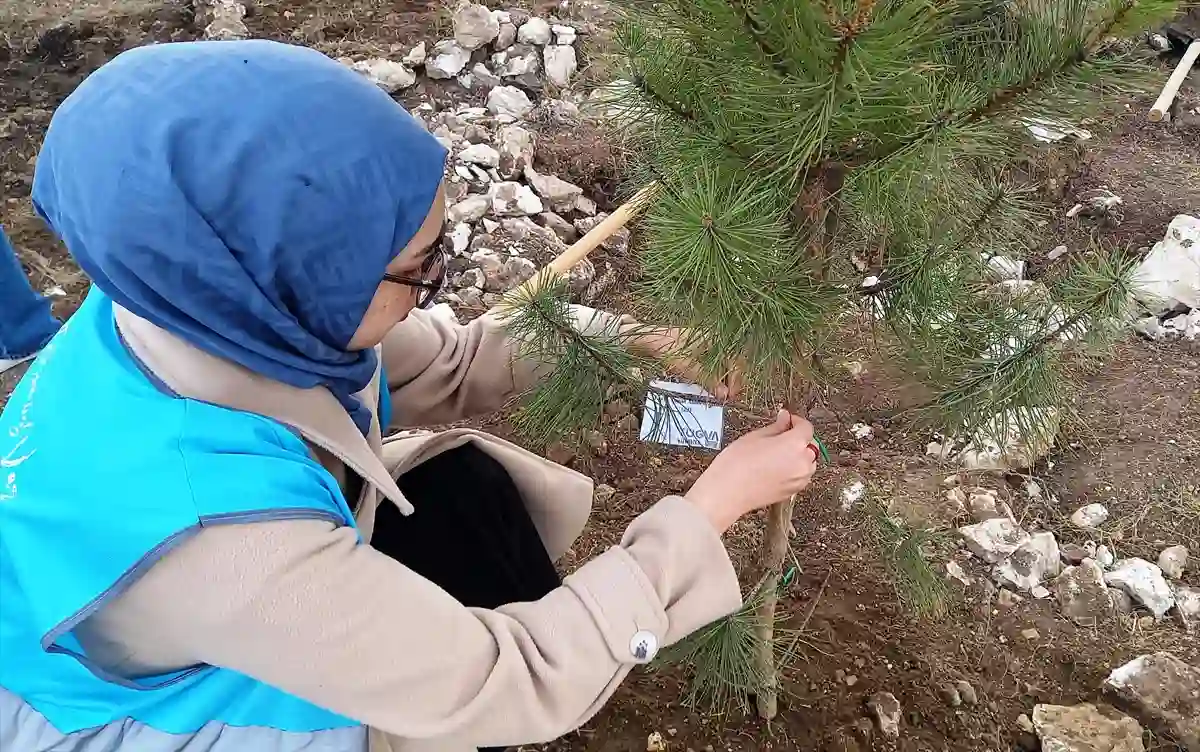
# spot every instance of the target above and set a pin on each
(1168, 512)
(904, 549)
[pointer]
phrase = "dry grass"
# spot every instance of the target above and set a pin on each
(19, 16)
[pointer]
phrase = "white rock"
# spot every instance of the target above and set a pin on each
(1034, 561)
(585, 206)
(561, 64)
(983, 504)
(508, 100)
(852, 494)
(995, 539)
(1086, 728)
(519, 269)
(534, 31)
(1050, 131)
(480, 174)
(472, 278)
(1105, 557)
(464, 172)
(514, 200)
(516, 150)
(1003, 267)
(484, 78)
(887, 711)
(1172, 561)
(227, 23)
(562, 228)
(1158, 42)
(480, 154)
(506, 37)
(522, 63)
(416, 56)
(474, 26)
(1150, 327)
(656, 743)
(470, 209)
(471, 297)
(1187, 607)
(448, 60)
(559, 193)
(1013, 439)
(386, 74)
(955, 571)
(563, 34)
(1058, 251)
(460, 237)
(1145, 584)
(861, 431)
(1090, 516)
(1082, 594)
(1163, 692)
(1169, 276)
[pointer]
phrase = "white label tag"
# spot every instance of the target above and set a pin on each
(682, 420)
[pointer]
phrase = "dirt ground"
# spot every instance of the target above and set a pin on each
(1135, 448)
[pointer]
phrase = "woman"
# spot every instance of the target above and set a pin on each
(207, 545)
(25, 321)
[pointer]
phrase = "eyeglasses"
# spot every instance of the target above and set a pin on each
(433, 278)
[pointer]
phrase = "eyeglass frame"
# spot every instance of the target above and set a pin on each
(430, 288)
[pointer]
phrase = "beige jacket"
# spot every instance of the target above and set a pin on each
(303, 606)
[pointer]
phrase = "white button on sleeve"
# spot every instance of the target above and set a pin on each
(643, 647)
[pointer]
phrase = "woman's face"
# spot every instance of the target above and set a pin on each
(393, 301)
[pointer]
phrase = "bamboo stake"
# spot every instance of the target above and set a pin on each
(580, 249)
(1163, 103)
(779, 518)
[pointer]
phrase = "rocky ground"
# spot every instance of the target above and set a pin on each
(1066, 608)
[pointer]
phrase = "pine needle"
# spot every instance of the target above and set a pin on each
(904, 550)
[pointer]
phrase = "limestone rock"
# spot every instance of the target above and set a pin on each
(558, 193)
(1169, 277)
(1073, 553)
(1004, 442)
(449, 58)
(579, 279)
(1105, 557)
(983, 504)
(506, 37)
(559, 112)
(514, 200)
(618, 242)
(472, 278)
(474, 26)
(1187, 607)
(518, 270)
(521, 62)
(1082, 594)
(483, 78)
(1163, 693)
(1122, 603)
(585, 206)
(1145, 584)
(560, 63)
(416, 56)
(561, 227)
(995, 539)
(470, 209)
(386, 74)
(1086, 728)
(563, 34)
(886, 709)
(508, 100)
(516, 150)
(534, 31)
(1172, 561)
(603, 493)
(1090, 516)
(459, 237)
(1034, 561)
(227, 23)
(480, 154)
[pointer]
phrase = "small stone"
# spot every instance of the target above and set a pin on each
(480, 154)
(1162, 692)
(448, 60)
(460, 237)
(1024, 723)
(1039, 592)
(1090, 516)
(474, 26)
(519, 270)
(558, 193)
(227, 23)
(534, 31)
(472, 278)
(604, 493)
(561, 227)
(516, 150)
(508, 100)
(514, 200)
(416, 56)
(521, 62)
(1145, 584)
(953, 568)
(1057, 252)
(967, 693)
(851, 680)
(471, 297)
(995, 539)
(580, 278)
(1073, 553)
(886, 709)
(1031, 634)
(1007, 598)
(595, 441)
(563, 34)
(1187, 607)
(1031, 563)
(506, 36)
(983, 504)
(483, 78)
(1086, 728)
(1105, 557)
(1158, 42)
(560, 63)
(470, 209)
(1172, 561)
(1082, 594)
(586, 206)
(949, 695)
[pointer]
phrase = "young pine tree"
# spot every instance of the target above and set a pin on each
(800, 146)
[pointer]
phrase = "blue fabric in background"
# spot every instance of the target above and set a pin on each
(246, 196)
(26, 323)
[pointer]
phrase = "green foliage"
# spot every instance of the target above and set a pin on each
(905, 550)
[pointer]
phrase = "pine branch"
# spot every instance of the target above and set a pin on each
(755, 31)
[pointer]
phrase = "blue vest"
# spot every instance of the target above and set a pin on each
(102, 472)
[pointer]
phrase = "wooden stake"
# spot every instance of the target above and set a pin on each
(580, 249)
(779, 519)
(1163, 103)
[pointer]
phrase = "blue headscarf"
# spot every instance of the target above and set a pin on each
(246, 196)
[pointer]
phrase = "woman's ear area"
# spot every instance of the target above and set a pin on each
(428, 234)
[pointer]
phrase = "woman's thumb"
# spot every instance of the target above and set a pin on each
(783, 422)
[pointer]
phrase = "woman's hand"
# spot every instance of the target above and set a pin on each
(762, 468)
(670, 344)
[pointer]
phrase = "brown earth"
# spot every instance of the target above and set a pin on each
(1135, 447)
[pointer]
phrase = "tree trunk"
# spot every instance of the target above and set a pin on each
(779, 518)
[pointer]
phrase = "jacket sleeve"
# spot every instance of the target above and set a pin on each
(440, 371)
(304, 607)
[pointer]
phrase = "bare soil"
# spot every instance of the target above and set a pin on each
(1135, 447)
